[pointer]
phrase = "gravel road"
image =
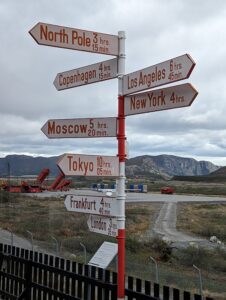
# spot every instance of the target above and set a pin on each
(165, 224)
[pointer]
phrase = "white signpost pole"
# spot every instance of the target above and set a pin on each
(120, 192)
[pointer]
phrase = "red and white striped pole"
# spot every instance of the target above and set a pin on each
(121, 196)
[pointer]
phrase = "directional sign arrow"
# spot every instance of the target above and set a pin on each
(103, 225)
(75, 39)
(97, 205)
(173, 97)
(172, 70)
(80, 128)
(89, 165)
(89, 74)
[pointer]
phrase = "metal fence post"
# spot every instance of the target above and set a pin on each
(156, 269)
(26, 294)
(200, 280)
(32, 240)
(57, 245)
(84, 248)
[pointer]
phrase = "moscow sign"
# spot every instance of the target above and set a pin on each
(80, 128)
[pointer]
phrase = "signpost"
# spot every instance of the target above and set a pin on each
(97, 205)
(161, 99)
(89, 165)
(89, 74)
(103, 225)
(169, 71)
(80, 128)
(75, 39)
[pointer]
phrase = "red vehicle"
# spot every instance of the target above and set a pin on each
(167, 190)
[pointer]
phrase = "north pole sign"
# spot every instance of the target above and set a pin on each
(103, 225)
(172, 70)
(155, 100)
(89, 165)
(75, 39)
(97, 205)
(104, 70)
(80, 128)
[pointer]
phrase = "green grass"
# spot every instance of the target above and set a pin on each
(203, 219)
(191, 188)
(46, 217)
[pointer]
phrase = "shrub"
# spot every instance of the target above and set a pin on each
(162, 248)
(5, 197)
(133, 245)
(193, 256)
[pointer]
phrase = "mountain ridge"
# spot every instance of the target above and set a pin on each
(169, 166)
(162, 165)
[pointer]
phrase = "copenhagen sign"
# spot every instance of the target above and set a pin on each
(172, 70)
(155, 100)
(75, 39)
(80, 128)
(89, 74)
(104, 206)
(89, 165)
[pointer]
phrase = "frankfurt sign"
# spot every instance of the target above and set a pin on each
(98, 205)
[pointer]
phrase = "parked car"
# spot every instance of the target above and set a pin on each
(167, 190)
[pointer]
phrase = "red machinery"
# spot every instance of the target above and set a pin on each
(63, 184)
(36, 186)
(56, 182)
(42, 176)
(26, 187)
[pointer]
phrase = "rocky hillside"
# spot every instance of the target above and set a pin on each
(221, 172)
(18, 165)
(150, 166)
(168, 165)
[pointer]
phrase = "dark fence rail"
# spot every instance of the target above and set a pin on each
(31, 275)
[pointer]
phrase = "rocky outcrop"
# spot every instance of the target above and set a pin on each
(168, 165)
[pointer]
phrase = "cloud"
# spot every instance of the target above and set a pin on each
(155, 31)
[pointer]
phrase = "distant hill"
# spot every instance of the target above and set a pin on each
(19, 165)
(168, 166)
(216, 176)
(221, 172)
(159, 166)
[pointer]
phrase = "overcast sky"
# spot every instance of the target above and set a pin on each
(156, 30)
